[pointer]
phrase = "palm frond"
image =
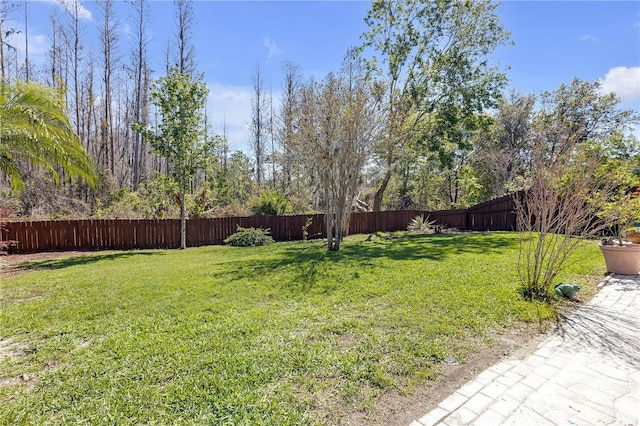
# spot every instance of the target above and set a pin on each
(34, 127)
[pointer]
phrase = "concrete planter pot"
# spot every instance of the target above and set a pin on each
(622, 259)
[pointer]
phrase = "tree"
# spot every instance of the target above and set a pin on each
(272, 135)
(35, 128)
(433, 59)
(140, 69)
(577, 113)
(108, 43)
(180, 98)
(55, 62)
(5, 32)
(450, 137)
(185, 56)
(285, 128)
(338, 128)
(502, 158)
(259, 123)
(27, 64)
(574, 172)
(233, 182)
(72, 33)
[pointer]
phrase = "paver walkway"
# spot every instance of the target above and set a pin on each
(587, 373)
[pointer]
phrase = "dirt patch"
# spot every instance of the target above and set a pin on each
(10, 265)
(24, 380)
(10, 349)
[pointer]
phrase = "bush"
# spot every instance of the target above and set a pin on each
(421, 224)
(249, 237)
(121, 204)
(305, 228)
(270, 203)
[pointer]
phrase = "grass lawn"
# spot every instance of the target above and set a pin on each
(282, 334)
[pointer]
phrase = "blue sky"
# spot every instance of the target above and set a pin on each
(554, 42)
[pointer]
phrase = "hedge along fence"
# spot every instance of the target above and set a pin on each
(61, 235)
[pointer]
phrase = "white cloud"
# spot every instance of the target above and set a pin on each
(229, 108)
(69, 6)
(38, 43)
(625, 83)
(272, 47)
(229, 111)
(589, 37)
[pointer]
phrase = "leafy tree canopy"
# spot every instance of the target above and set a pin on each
(181, 99)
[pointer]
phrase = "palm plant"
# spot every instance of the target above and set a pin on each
(35, 129)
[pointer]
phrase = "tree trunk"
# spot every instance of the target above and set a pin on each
(140, 64)
(76, 67)
(338, 227)
(258, 119)
(377, 198)
(4, 10)
(26, 42)
(327, 214)
(183, 221)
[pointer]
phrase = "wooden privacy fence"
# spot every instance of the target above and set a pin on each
(494, 215)
(124, 234)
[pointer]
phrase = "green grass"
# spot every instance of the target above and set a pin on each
(281, 334)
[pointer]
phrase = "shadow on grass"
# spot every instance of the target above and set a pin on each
(83, 259)
(432, 247)
(313, 267)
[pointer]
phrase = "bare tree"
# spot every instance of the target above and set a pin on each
(55, 56)
(557, 213)
(338, 128)
(5, 32)
(259, 123)
(185, 51)
(287, 121)
(571, 179)
(272, 136)
(72, 33)
(93, 119)
(110, 59)
(140, 69)
(27, 64)
(180, 55)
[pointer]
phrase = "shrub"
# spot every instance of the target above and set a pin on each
(270, 203)
(121, 204)
(305, 228)
(249, 237)
(421, 224)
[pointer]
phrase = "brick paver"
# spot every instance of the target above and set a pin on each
(586, 373)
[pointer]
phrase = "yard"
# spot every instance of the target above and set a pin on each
(282, 334)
